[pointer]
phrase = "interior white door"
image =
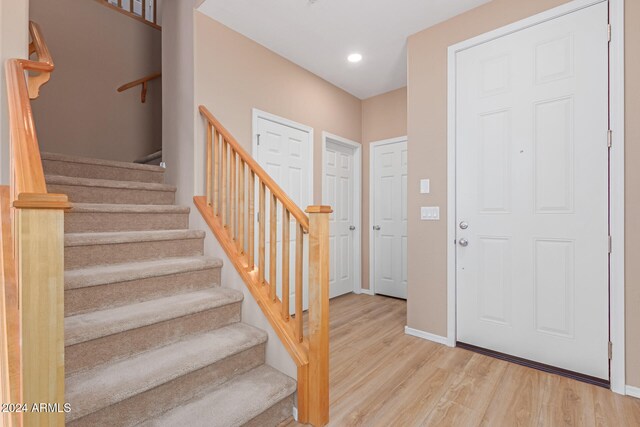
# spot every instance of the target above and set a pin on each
(284, 152)
(389, 199)
(532, 193)
(339, 188)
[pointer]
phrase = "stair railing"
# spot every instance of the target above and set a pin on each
(33, 271)
(144, 82)
(232, 177)
(127, 7)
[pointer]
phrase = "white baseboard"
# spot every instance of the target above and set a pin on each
(633, 391)
(295, 413)
(427, 336)
(365, 291)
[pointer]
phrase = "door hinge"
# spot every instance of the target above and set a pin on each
(610, 244)
(258, 137)
(609, 32)
(609, 138)
(610, 350)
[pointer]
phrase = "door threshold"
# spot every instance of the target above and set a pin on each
(537, 365)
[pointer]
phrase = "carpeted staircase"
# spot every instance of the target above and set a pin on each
(151, 338)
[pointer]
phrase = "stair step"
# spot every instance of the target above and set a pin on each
(102, 217)
(245, 400)
(82, 167)
(134, 389)
(92, 249)
(99, 337)
(89, 190)
(102, 287)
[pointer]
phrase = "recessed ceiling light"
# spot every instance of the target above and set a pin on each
(354, 57)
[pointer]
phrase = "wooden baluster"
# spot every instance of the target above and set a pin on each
(286, 227)
(155, 11)
(240, 240)
(224, 183)
(209, 160)
(216, 172)
(250, 223)
(144, 9)
(273, 246)
(298, 293)
(319, 314)
(261, 225)
(232, 191)
(120, 3)
(131, 6)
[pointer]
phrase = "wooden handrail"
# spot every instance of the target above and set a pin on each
(37, 236)
(232, 177)
(44, 65)
(257, 169)
(144, 81)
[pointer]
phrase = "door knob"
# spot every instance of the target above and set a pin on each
(464, 225)
(352, 227)
(463, 242)
(376, 227)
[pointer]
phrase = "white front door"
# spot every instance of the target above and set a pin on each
(532, 193)
(284, 152)
(339, 190)
(389, 201)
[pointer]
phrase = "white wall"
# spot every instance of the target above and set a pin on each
(14, 42)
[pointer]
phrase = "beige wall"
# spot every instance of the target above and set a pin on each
(427, 128)
(383, 117)
(14, 40)
(96, 50)
(250, 76)
(235, 74)
(178, 105)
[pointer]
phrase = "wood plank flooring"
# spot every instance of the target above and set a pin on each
(381, 377)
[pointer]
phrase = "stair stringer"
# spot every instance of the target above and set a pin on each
(277, 355)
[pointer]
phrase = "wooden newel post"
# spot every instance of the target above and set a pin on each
(318, 375)
(39, 250)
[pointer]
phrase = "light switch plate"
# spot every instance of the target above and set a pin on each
(424, 186)
(430, 213)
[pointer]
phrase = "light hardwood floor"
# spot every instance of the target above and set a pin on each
(382, 377)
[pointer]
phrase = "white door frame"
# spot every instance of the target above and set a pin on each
(259, 114)
(616, 91)
(357, 199)
(372, 146)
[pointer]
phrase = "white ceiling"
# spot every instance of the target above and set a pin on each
(318, 35)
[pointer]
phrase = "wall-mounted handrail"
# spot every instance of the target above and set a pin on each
(144, 81)
(232, 179)
(38, 247)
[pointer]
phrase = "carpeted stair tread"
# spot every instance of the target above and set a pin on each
(105, 385)
(115, 273)
(237, 402)
(107, 183)
(112, 217)
(106, 238)
(100, 162)
(123, 208)
(89, 326)
(151, 338)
